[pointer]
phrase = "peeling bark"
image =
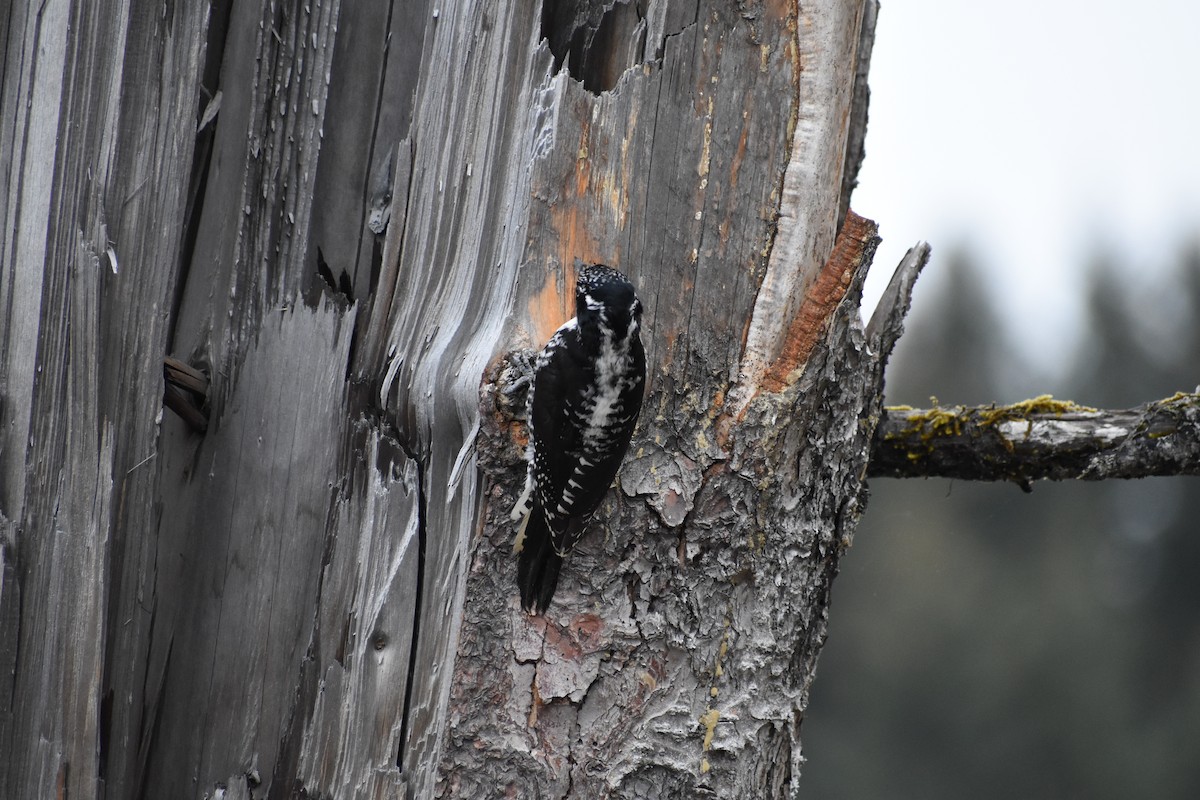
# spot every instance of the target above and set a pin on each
(331, 219)
(677, 657)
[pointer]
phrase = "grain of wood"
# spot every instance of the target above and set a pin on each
(316, 595)
(92, 180)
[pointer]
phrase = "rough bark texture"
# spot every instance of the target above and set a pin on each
(341, 214)
(1039, 439)
(677, 657)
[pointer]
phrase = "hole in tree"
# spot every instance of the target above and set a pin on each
(596, 39)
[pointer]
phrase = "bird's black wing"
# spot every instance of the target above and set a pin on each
(553, 438)
(585, 459)
(558, 435)
(573, 467)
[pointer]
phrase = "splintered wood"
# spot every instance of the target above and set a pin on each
(850, 251)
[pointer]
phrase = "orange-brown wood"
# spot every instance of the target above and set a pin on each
(821, 299)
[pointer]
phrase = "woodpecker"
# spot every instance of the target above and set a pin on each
(583, 405)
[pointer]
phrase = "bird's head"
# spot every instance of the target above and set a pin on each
(603, 296)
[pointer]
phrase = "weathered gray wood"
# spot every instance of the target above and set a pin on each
(355, 678)
(316, 596)
(239, 562)
(92, 202)
(1040, 439)
(856, 139)
(827, 38)
(240, 556)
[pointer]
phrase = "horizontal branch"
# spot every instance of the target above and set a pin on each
(1039, 439)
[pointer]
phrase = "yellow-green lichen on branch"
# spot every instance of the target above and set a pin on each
(926, 425)
(947, 422)
(1042, 404)
(943, 421)
(1181, 398)
(1039, 438)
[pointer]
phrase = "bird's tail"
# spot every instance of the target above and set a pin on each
(537, 569)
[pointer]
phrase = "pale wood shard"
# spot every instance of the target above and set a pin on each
(829, 34)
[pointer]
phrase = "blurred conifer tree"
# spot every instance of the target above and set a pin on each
(993, 644)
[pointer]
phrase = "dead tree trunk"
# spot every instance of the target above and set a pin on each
(343, 214)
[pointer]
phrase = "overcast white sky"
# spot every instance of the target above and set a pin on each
(1036, 133)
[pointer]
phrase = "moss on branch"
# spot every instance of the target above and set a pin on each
(1039, 438)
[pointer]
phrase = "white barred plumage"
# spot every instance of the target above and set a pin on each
(583, 405)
